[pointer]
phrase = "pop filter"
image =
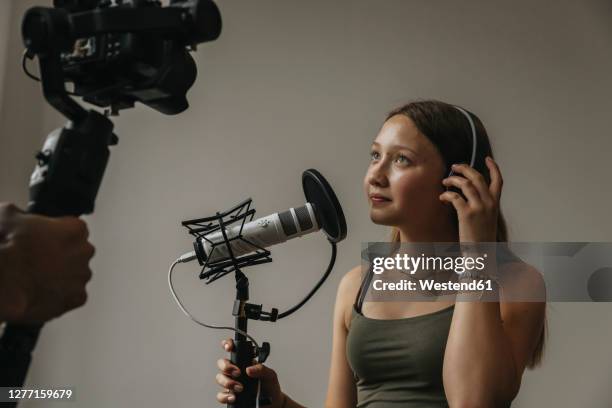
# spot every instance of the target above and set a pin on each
(328, 210)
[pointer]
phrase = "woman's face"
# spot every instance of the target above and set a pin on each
(404, 178)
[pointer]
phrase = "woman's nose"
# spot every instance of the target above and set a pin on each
(377, 175)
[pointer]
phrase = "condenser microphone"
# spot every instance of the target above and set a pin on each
(260, 233)
(322, 211)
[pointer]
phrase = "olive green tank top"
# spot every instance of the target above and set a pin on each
(398, 362)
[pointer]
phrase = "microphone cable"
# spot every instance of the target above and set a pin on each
(184, 310)
(187, 258)
(210, 326)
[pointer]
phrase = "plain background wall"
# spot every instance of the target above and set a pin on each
(5, 15)
(21, 107)
(292, 85)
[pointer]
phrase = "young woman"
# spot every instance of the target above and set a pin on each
(425, 354)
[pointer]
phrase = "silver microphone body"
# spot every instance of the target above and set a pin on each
(260, 233)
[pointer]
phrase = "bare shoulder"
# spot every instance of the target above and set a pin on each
(350, 282)
(524, 292)
(347, 292)
(522, 281)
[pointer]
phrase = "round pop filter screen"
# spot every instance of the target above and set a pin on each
(329, 212)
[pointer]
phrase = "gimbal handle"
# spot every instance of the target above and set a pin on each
(65, 181)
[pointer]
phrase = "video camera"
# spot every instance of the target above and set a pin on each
(118, 52)
(114, 53)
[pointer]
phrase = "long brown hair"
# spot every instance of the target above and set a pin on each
(447, 128)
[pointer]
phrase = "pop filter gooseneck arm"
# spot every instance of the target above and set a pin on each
(330, 216)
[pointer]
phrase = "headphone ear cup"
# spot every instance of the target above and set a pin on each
(453, 188)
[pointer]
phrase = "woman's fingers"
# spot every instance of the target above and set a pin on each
(477, 180)
(227, 383)
(228, 368)
(225, 396)
(456, 200)
(227, 344)
(224, 378)
(496, 178)
(467, 188)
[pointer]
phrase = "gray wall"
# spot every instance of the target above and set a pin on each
(292, 85)
(5, 15)
(21, 107)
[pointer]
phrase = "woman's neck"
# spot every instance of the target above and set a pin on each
(440, 233)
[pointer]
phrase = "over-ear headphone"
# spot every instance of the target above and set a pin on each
(474, 146)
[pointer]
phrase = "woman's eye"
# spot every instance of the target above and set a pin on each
(403, 159)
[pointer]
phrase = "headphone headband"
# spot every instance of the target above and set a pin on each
(474, 142)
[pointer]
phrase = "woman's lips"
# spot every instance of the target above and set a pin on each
(376, 199)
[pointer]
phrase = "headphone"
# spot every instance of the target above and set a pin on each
(474, 144)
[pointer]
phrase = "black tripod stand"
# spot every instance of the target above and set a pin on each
(245, 351)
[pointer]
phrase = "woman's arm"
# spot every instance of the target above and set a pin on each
(341, 391)
(489, 346)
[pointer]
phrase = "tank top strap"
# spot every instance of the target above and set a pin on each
(363, 289)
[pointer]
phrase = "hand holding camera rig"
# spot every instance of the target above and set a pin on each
(115, 53)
